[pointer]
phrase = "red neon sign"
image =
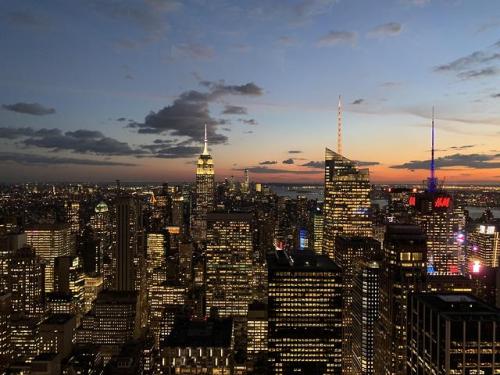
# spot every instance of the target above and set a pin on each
(442, 202)
(412, 201)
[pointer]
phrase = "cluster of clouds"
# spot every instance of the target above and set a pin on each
(312, 166)
(477, 161)
(183, 121)
(34, 109)
(180, 127)
(478, 64)
(336, 37)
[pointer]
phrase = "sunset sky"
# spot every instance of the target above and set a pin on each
(100, 90)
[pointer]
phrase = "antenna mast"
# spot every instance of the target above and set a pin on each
(339, 127)
(205, 148)
(432, 180)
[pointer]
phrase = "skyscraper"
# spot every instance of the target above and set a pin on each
(229, 263)
(484, 245)
(452, 334)
(205, 190)
(318, 230)
(403, 273)
(128, 246)
(26, 272)
(364, 312)
(5, 347)
(441, 222)
(348, 252)
(49, 242)
(305, 314)
(346, 208)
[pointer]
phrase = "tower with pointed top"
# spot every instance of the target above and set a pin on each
(432, 181)
(204, 193)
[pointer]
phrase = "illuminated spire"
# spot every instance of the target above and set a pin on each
(339, 127)
(432, 184)
(205, 149)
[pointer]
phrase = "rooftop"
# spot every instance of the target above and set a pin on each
(305, 260)
(208, 333)
(459, 306)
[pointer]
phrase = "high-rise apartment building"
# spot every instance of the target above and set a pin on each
(347, 203)
(305, 314)
(49, 242)
(452, 334)
(403, 273)
(229, 263)
(205, 190)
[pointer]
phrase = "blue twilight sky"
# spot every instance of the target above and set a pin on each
(97, 90)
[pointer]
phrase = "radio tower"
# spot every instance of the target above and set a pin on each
(432, 183)
(339, 127)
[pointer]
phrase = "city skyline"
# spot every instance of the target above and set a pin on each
(99, 91)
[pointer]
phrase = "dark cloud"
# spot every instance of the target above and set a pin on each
(29, 108)
(27, 19)
(390, 84)
(480, 73)
(176, 152)
(129, 76)
(497, 95)
(15, 133)
(358, 101)
(268, 162)
(366, 163)
(288, 161)
(121, 119)
(337, 37)
(234, 110)
(467, 62)
(469, 66)
(461, 147)
(31, 159)
(187, 115)
(477, 161)
(295, 152)
(249, 121)
(314, 164)
(194, 51)
(266, 170)
(387, 29)
(248, 132)
(82, 141)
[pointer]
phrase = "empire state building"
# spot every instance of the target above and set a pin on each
(204, 194)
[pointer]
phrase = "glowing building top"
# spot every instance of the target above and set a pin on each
(205, 164)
